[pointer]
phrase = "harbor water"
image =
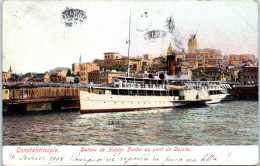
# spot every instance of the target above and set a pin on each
(225, 123)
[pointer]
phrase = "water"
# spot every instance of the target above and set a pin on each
(227, 123)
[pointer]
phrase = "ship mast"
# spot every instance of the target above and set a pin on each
(128, 62)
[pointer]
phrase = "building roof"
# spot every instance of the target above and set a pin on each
(207, 69)
(111, 52)
(131, 58)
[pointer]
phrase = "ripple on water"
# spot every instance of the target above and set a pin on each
(227, 123)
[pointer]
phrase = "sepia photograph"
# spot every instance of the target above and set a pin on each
(130, 73)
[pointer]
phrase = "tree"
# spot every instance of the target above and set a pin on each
(69, 73)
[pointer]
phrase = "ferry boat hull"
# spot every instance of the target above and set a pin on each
(216, 98)
(98, 103)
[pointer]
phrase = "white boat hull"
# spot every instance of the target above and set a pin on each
(94, 103)
(216, 98)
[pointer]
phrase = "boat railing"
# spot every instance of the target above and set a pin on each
(196, 85)
(137, 85)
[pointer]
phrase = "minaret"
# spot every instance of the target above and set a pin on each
(80, 59)
(10, 69)
(170, 60)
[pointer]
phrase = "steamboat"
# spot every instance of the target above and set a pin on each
(132, 94)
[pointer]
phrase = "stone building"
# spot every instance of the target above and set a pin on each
(82, 69)
(57, 79)
(192, 44)
(100, 77)
(207, 74)
(75, 68)
(200, 59)
(249, 75)
(111, 56)
(237, 59)
(112, 59)
(7, 75)
(41, 78)
(85, 68)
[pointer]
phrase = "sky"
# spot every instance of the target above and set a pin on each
(36, 38)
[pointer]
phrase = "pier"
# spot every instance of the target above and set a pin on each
(16, 100)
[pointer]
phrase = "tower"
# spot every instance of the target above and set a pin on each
(10, 69)
(170, 60)
(192, 44)
(80, 59)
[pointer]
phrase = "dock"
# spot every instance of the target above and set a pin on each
(16, 99)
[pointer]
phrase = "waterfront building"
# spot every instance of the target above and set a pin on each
(201, 59)
(216, 54)
(231, 73)
(85, 68)
(75, 68)
(249, 74)
(59, 71)
(113, 59)
(207, 74)
(226, 60)
(100, 77)
(69, 79)
(81, 69)
(62, 73)
(237, 59)
(7, 75)
(60, 79)
(111, 56)
(57, 79)
(41, 78)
